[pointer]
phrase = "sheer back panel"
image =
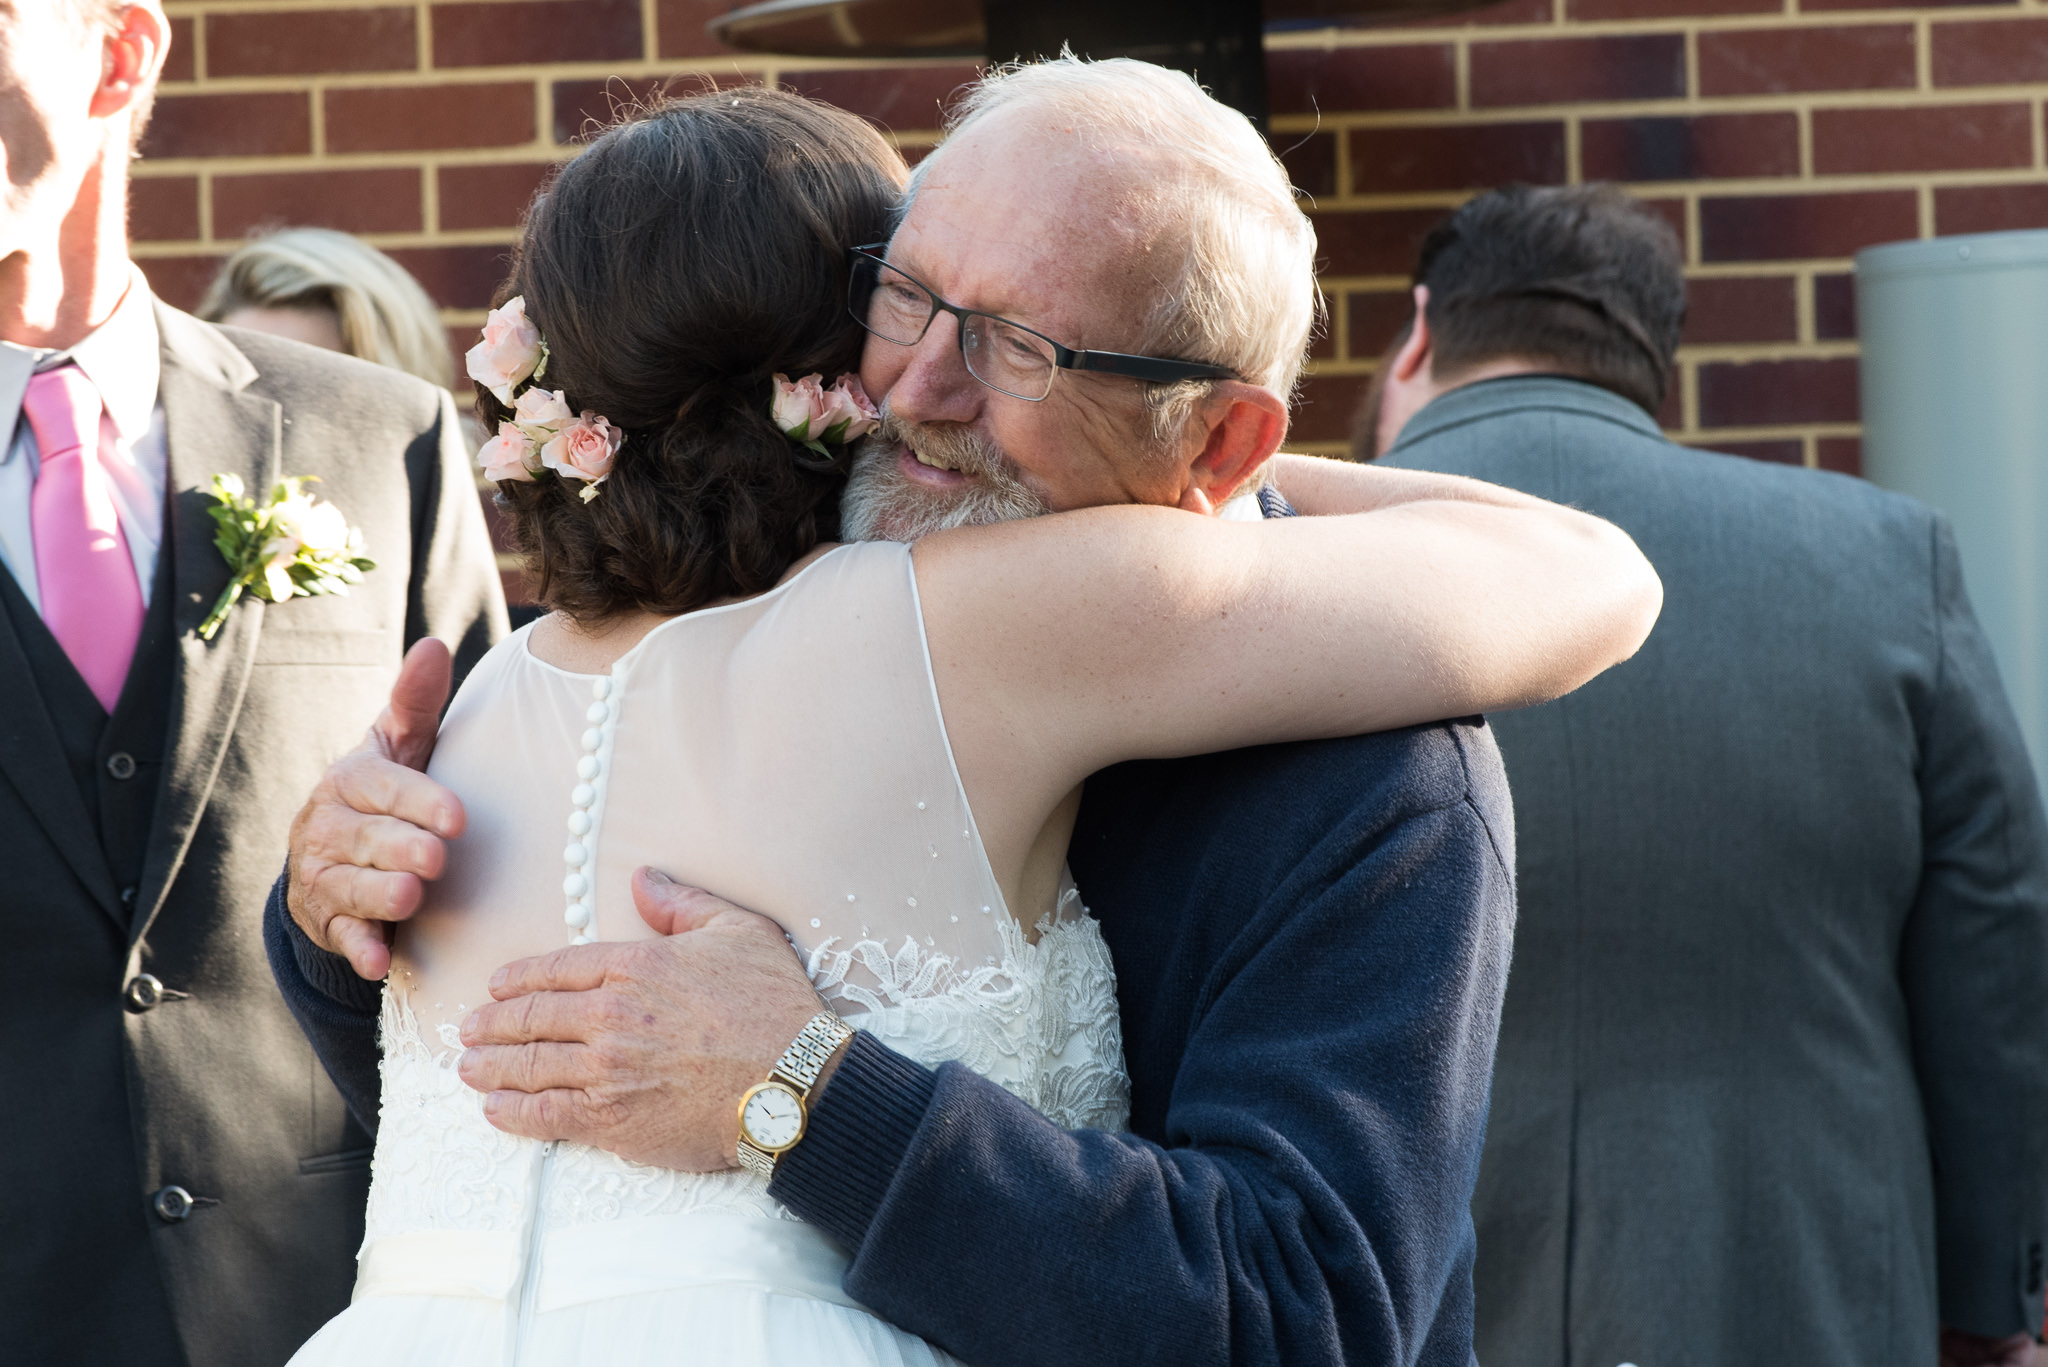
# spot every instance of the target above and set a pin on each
(786, 752)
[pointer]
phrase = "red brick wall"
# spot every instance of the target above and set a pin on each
(1779, 136)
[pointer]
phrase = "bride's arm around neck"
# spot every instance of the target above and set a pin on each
(1074, 641)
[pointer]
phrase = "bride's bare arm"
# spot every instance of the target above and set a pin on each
(1070, 642)
(1321, 486)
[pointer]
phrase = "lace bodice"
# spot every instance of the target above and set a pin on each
(788, 753)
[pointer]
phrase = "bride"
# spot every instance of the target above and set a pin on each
(879, 745)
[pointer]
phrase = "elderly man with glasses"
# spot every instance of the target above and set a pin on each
(1311, 940)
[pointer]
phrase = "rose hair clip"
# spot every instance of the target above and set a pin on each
(815, 417)
(543, 435)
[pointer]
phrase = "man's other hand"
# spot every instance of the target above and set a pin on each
(374, 829)
(1974, 1350)
(643, 1048)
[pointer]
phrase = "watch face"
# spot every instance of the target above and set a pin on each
(773, 1118)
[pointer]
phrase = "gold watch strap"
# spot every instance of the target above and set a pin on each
(798, 1068)
(808, 1053)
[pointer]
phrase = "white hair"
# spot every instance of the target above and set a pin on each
(1245, 294)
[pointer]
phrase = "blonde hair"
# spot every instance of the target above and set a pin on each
(385, 316)
(1244, 294)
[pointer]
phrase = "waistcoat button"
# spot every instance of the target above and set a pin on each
(142, 994)
(171, 1204)
(121, 764)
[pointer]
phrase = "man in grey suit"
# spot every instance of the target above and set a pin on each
(184, 1185)
(1773, 1074)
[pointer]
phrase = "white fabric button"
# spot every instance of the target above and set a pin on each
(580, 939)
(575, 885)
(586, 768)
(601, 688)
(579, 823)
(597, 714)
(575, 855)
(582, 795)
(592, 739)
(577, 915)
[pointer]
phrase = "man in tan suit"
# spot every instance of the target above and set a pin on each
(185, 1185)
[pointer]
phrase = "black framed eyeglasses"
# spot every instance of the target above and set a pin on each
(1007, 357)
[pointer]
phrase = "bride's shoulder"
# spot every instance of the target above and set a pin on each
(491, 671)
(848, 566)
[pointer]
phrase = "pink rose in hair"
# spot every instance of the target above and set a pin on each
(509, 455)
(584, 450)
(848, 413)
(797, 408)
(509, 352)
(541, 413)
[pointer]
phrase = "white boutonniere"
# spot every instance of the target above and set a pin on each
(289, 547)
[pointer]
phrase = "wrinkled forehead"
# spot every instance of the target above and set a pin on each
(1027, 217)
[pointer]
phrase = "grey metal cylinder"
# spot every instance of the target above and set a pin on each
(1955, 412)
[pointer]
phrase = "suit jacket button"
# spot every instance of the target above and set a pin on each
(171, 1204)
(121, 764)
(143, 992)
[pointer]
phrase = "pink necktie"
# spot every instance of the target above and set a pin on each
(91, 601)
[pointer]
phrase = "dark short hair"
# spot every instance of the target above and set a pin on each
(673, 268)
(1581, 276)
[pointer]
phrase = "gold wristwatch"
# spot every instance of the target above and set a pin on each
(773, 1113)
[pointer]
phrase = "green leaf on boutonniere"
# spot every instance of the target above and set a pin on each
(287, 547)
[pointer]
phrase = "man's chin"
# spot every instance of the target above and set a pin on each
(881, 503)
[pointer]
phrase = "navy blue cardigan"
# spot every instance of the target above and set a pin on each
(1311, 943)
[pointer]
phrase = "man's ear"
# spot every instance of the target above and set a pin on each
(1415, 352)
(1246, 424)
(130, 59)
(1405, 382)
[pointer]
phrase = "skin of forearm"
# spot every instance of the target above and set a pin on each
(1322, 486)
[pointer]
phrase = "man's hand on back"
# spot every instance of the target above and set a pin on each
(372, 833)
(643, 1048)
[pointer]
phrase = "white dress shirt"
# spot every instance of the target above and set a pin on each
(120, 357)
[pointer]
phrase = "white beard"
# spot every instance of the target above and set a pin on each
(881, 503)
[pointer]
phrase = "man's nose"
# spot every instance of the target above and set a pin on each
(935, 385)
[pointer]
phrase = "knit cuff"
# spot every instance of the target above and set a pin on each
(328, 974)
(855, 1140)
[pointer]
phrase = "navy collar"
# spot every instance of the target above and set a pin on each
(1520, 394)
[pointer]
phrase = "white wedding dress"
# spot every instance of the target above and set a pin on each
(786, 752)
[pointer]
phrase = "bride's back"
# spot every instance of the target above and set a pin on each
(786, 752)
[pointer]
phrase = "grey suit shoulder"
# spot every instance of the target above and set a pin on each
(1784, 911)
(311, 379)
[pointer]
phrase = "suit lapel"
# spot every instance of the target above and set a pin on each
(211, 427)
(33, 760)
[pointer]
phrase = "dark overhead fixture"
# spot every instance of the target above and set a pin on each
(1219, 41)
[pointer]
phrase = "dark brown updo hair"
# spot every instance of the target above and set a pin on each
(673, 268)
